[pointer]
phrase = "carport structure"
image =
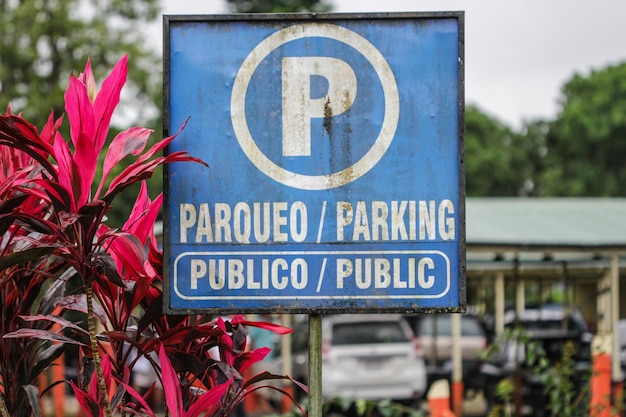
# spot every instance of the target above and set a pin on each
(519, 245)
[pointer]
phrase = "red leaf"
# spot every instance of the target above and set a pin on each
(86, 162)
(157, 147)
(107, 99)
(208, 402)
(87, 404)
(21, 135)
(138, 211)
(245, 360)
(128, 142)
(139, 293)
(78, 302)
(51, 128)
(42, 335)
(171, 385)
(56, 319)
(86, 77)
(128, 252)
(137, 396)
(79, 112)
(273, 327)
(143, 215)
(66, 170)
(57, 193)
(138, 171)
(225, 344)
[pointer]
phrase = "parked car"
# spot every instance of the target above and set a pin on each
(372, 346)
(434, 332)
(549, 327)
(552, 325)
(371, 356)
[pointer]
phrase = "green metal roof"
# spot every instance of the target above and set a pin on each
(586, 223)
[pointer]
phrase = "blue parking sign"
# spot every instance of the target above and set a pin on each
(335, 152)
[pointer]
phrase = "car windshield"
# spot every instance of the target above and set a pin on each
(469, 327)
(367, 332)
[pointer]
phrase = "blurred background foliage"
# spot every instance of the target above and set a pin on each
(579, 153)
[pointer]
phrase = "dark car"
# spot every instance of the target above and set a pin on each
(546, 329)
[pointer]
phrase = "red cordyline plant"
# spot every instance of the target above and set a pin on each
(53, 229)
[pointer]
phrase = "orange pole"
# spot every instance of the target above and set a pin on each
(251, 403)
(42, 381)
(58, 374)
(439, 399)
(457, 397)
(287, 402)
(58, 392)
(601, 386)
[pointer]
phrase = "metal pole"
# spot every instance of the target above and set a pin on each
(457, 366)
(315, 365)
(616, 370)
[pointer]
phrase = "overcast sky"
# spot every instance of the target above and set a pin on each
(518, 53)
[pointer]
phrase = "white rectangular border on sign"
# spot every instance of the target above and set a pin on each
(314, 253)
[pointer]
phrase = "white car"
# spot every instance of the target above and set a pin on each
(371, 356)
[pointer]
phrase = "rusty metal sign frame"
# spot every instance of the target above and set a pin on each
(395, 219)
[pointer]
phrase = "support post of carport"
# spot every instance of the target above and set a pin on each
(606, 372)
(457, 366)
(499, 304)
(616, 370)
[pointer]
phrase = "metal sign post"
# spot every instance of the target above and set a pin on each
(315, 365)
(336, 180)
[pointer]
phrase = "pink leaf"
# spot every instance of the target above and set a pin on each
(55, 319)
(51, 128)
(107, 99)
(86, 77)
(250, 358)
(128, 142)
(79, 112)
(87, 404)
(66, 170)
(86, 160)
(42, 335)
(141, 205)
(208, 402)
(157, 147)
(128, 253)
(225, 344)
(171, 385)
(276, 328)
(56, 191)
(143, 215)
(142, 170)
(137, 396)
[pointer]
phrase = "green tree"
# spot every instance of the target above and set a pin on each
(278, 6)
(586, 143)
(42, 41)
(496, 157)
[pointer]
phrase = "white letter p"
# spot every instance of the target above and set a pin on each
(298, 106)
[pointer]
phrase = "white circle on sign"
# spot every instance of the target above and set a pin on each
(335, 179)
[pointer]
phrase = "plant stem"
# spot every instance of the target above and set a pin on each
(91, 323)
